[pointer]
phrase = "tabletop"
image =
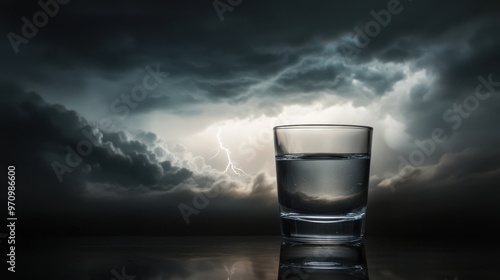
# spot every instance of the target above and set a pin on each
(249, 257)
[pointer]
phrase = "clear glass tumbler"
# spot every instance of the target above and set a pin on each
(322, 174)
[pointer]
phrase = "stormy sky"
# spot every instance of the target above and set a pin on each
(121, 116)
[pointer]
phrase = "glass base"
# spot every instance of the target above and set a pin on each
(323, 229)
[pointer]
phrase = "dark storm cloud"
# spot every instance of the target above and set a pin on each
(380, 80)
(456, 196)
(147, 137)
(310, 79)
(277, 52)
(50, 131)
(463, 100)
(117, 181)
(221, 61)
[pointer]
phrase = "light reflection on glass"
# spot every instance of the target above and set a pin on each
(300, 261)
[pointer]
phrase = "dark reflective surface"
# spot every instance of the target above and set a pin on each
(322, 261)
(175, 258)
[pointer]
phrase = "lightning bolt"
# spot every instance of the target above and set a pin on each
(230, 163)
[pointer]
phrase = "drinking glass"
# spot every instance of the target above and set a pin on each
(322, 176)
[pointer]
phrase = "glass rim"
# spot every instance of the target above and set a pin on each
(322, 126)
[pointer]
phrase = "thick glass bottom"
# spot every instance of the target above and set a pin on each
(323, 228)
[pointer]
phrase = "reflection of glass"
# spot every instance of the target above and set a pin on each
(300, 261)
(322, 175)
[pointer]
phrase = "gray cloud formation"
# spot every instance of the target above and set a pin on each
(264, 56)
(297, 50)
(66, 138)
(103, 174)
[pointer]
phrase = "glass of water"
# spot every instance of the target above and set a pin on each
(322, 174)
